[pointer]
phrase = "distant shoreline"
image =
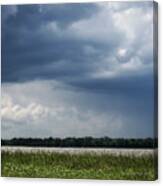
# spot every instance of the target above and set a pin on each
(83, 142)
(68, 147)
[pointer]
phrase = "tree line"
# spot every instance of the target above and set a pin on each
(105, 142)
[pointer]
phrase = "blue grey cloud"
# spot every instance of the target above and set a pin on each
(102, 52)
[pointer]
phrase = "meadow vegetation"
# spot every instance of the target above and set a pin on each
(78, 166)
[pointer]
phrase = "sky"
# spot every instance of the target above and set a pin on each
(82, 69)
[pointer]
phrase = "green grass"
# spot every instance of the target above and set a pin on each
(86, 166)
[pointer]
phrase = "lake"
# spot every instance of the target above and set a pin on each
(114, 151)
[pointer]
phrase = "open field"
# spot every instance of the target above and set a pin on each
(87, 165)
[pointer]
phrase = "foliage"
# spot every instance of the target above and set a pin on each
(82, 142)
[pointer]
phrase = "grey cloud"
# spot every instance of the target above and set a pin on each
(75, 113)
(28, 44)
(96, 57)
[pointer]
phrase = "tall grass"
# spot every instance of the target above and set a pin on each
(87, 166)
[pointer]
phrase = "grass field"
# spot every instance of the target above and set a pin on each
(78, 166)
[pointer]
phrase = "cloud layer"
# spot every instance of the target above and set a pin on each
(18, 113)
(78, 69)
(55, 109)
(96, 41)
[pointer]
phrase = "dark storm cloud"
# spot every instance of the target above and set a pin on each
(24, 46)
(75, 44)
(95, 58)
(27, 45)
(35, 15)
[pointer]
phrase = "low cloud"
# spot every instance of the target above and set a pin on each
(50, 108)
(32, 112)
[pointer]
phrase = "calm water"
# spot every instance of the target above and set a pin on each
(114, 151)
